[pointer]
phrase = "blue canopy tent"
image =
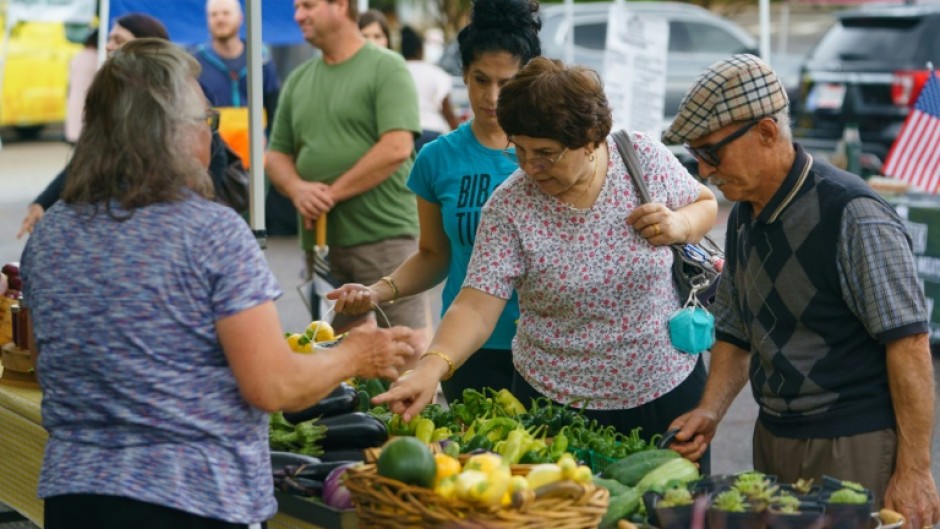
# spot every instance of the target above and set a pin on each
(186, 22)
(186, 19)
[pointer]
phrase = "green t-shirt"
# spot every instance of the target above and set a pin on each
(329, 116)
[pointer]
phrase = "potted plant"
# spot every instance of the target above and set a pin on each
(673, 510)
(849, 507)
(730, 510)
(786, 511)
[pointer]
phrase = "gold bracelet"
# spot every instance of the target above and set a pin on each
(444, 357)
(394, 288)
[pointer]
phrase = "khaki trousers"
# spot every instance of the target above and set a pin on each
(867, 458)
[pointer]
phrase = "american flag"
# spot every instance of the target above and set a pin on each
(915, 155)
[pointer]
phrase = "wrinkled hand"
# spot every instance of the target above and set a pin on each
(696, 430)
(353, 299)
(660, 225)
(33, 214)
(311, 199)
(378, 353)
(914, 495)
(412, 392)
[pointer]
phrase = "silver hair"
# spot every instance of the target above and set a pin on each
(783, 124)
(142, 113)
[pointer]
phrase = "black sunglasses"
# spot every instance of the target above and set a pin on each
(709, 153)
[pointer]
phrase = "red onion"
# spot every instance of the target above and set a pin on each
(335, 494)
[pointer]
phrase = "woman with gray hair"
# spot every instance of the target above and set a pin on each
(160, 346)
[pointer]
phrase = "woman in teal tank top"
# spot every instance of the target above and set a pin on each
(453, 177)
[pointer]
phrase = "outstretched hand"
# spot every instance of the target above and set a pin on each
(353, 299)
(411, 392)
(378, 353)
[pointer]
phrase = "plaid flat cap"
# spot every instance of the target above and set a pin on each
(740, 88)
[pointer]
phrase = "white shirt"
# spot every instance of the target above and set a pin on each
(434, 84)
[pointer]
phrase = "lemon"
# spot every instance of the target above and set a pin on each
(293, 341)
(325, 332)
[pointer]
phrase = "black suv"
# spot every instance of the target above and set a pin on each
(867, 69)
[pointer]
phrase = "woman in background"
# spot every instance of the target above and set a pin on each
(374, 27)
(453, 177)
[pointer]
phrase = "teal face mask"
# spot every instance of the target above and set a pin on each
(692, 329)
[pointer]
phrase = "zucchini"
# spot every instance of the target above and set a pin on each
(631, 469)
(680, 469)
(615, 487)
(620, 507)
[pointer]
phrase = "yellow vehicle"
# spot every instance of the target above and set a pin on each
(36, 76)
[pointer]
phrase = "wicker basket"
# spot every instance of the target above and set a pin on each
(383, 503)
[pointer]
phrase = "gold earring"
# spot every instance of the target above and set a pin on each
(591, 159)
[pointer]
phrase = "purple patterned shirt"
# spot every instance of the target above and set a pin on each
(138, 397)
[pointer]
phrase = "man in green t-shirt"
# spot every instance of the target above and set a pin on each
(342, 146)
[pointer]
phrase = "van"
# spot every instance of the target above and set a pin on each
(36, 76)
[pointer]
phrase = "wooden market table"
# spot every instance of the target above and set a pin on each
(23, 440)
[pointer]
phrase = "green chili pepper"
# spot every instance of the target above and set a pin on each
(508, 402)
(397, 426)
(559, 444)
(440, 434)
(512, 447)
(498, 428)
(424, 430)
(479, 442)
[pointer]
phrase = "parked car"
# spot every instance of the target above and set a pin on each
(697, 38)
(867, 69)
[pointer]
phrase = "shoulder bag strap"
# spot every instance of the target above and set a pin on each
(622, 139)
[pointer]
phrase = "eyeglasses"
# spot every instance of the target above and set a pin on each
(709, 153)
(541, 163)
(212, 119)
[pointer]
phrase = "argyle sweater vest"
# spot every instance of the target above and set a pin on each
(815, 370)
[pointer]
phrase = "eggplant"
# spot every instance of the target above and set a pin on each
(299, 486)
(320, 471)
(343, 399)
(342, 456)
(353, 430)
(280, 460)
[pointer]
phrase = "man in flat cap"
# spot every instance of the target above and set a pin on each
(819, 305)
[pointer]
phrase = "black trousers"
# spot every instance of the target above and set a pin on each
(653, 417)
(486, 368)
(96, 511)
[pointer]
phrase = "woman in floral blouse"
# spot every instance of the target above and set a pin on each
(590, 263)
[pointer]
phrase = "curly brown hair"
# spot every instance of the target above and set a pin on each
(547, 99)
